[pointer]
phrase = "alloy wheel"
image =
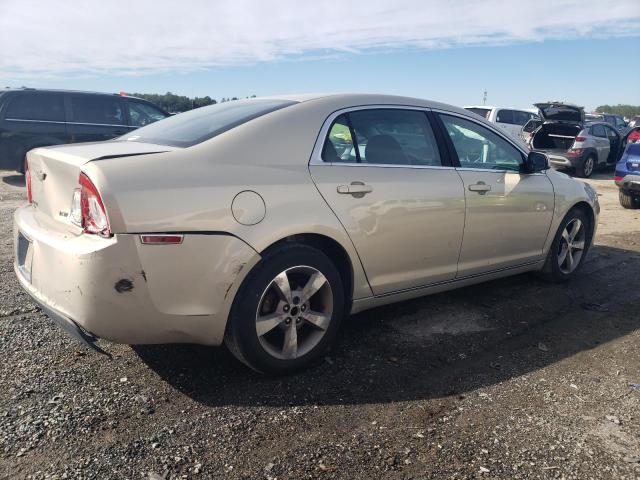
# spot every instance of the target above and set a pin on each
(588, 166)
(572, 244)
(294, 312)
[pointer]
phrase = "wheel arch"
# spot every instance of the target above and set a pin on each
(588, 211)
(330, 247)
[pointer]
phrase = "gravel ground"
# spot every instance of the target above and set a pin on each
(511, 379)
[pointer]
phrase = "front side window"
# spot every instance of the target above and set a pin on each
(97, 109)
(37, 106)
(613, 135)
(382, 137)
(479, 147)
(195, 126)
(505, 116)
(141, 114)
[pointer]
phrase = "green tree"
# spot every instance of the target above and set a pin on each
(624, 110)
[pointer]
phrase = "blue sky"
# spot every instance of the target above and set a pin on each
(520, 52)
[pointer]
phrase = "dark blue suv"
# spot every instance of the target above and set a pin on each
(31, 118)
(627, 176)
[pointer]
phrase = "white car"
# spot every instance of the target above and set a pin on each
(509, 119)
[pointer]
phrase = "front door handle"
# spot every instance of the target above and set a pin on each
(480, 187)
(355, 188)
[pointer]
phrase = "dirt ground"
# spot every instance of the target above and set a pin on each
(511, 379)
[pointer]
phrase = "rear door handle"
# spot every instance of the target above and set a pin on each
(480, 187)
(355, 188)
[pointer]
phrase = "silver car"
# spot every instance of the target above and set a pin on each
(261, 223)
(574, 144)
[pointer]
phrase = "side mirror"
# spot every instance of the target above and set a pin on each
(535, 162)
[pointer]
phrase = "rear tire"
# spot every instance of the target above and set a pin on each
(586, 167)
(276, 325)
(629, 200)
(569, 248)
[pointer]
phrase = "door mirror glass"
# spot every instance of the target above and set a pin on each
(535, 162)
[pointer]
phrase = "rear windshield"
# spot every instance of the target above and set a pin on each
(483, 112)
(196, 126)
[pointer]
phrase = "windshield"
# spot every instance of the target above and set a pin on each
(483, 112)
(196, 126)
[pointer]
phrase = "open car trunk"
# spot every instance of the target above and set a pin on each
(555, 136)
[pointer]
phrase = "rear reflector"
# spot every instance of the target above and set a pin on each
(161, 239)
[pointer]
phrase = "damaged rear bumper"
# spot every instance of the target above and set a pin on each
(126, 292)
(71, 327)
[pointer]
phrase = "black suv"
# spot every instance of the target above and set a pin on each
(31, 118)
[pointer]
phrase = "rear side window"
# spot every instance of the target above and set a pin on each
(195, 126)
(531, 125)
(97, 109)
(520, 118)
(36, 106)
(598, 131)
(505, 116)
(141, 114)
(382, 137)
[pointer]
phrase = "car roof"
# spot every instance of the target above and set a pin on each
(55, 90)
(590, 123)
(346, 100)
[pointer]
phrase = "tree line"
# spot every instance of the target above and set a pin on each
(628, 111)
(179, 103)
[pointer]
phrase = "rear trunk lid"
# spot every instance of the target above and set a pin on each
(55, 171)
(560, 112)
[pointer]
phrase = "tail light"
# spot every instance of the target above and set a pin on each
(617, 178)
(580, 139)
(634, 137)
(87, 208)
(27, 180)
(575, 152)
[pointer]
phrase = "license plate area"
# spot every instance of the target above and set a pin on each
(24, 256)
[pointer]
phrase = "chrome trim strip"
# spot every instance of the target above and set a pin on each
(384, 165)
(69, 123)
(34, 121)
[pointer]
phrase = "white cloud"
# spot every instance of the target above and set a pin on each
(57, 37)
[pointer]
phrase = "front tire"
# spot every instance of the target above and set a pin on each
(569, 248)
(288, 310)
(629, 200)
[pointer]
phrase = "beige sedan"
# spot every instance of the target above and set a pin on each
(261, 223)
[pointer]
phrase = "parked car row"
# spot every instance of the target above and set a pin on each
(509, 119)
(31, 118)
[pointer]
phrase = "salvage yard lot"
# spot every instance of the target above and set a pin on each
(514, 378)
